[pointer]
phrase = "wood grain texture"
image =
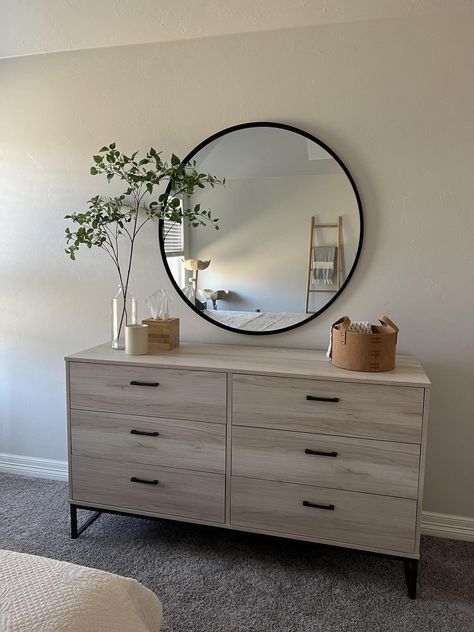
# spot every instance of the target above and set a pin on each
(380, 522)
(180, 444)
(163, 335)
(378, 467)
(234, 527)
(68, 417)
(196, 495)
(218, 402)
(421, 482)
(228, 465)
(181, 394)
(258, 360)
(370, 410)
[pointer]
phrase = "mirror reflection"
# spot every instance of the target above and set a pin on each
(289, 231)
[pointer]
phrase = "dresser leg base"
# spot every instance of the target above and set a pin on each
(75, 530)
(410, 565)
(411, 573)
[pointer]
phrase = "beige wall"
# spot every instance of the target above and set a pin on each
(55, 25)
(394, 100)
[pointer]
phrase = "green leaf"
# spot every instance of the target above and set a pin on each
(106, 213)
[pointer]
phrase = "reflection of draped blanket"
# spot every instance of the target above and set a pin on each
(255, 321)
(324, 264)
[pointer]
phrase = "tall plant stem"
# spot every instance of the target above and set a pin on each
(133, 235)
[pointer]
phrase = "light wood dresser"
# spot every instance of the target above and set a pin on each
(274, 441)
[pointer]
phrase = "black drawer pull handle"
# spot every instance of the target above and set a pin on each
(136, 383)
(306, 503)
(145, 433)
(314, 398)
(320, 452)
(134, 479)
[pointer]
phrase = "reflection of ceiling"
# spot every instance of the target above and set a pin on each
(264, 153)
(39, 26)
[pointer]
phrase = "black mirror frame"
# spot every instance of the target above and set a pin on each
(295, 130)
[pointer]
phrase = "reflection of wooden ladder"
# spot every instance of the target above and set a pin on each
(312, 243)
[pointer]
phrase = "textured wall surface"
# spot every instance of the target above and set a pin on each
(394, 100)
(39, 26)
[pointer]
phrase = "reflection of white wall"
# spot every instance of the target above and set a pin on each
(262, 152)
(260, 252)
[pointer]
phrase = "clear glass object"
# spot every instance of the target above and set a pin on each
(124, 312)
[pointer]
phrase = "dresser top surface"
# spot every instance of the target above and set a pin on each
(301, 363)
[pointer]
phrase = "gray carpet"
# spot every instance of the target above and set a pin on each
(214, 580)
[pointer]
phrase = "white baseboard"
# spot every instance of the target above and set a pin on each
(447, 526)
(435, 524)
(32, 466)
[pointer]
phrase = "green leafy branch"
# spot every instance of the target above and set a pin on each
(109, 220)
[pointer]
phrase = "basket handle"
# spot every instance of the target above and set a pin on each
(343, 323)
(385, 320)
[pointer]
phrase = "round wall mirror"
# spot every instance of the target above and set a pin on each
(290, 230)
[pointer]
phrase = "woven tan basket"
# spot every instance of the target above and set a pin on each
(364, 352)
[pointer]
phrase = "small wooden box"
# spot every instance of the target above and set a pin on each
(163, 335)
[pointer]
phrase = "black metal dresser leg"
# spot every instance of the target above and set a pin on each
(75, 531)
(73, 511)
(411, 574)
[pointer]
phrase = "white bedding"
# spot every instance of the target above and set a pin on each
(42, 595)
(255, 321)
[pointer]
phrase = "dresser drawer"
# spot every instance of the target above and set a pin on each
(166, 442)
(340, 408)
(195, 495)
(364, 465)
(173, 393)
(378, 522)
